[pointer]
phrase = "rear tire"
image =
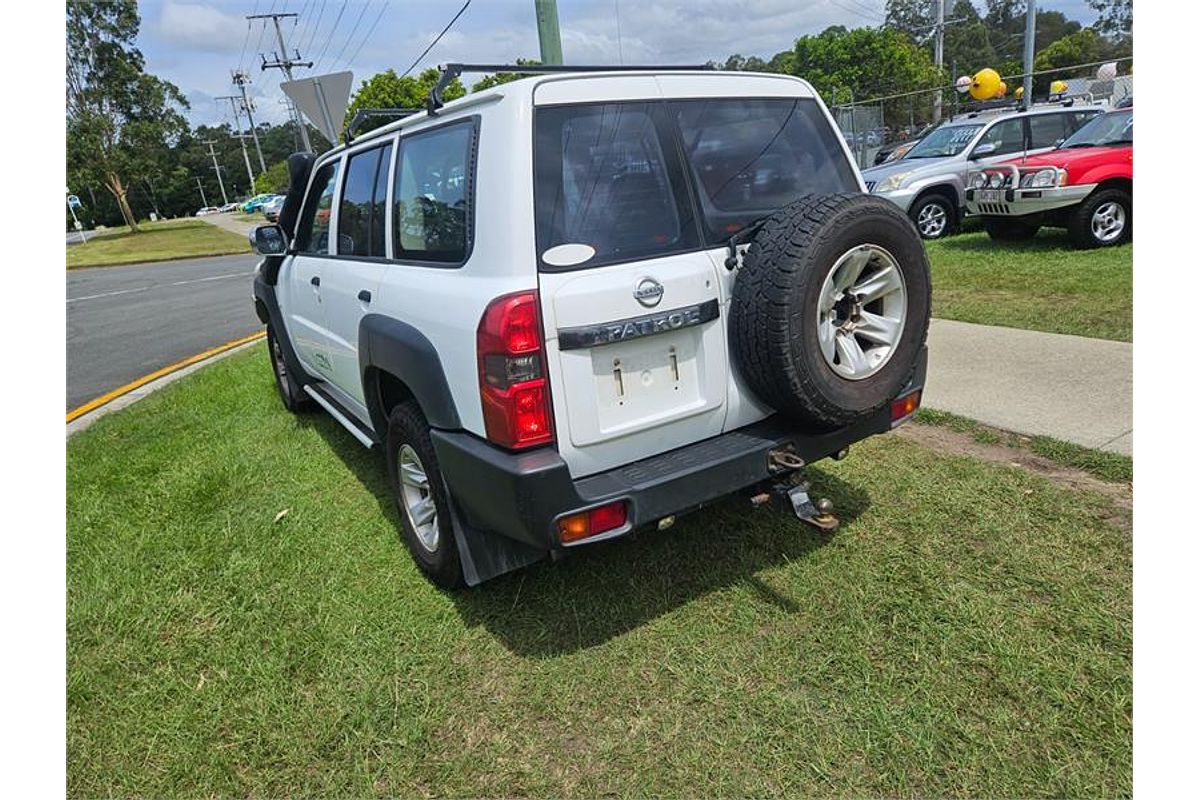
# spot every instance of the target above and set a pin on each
(934, 216)
(1010, 230)
(825, 285)
(1103, 219)
(421, 497)
(291, 393)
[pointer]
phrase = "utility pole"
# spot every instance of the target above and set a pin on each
(217, 169)
(203, 199)
(938, 41)
(283, 62)
(241, 79)
(548, 36)
(1030, 34)
(241, 136)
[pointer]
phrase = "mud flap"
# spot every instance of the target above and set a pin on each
(487, 555)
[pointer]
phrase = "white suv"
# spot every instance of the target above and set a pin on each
(580, 303)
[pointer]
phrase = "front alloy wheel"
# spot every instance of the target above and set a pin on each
(933, 217)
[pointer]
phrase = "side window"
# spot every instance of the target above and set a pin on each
(601, 179)
(1078, 119)
(1008, 136)
(1046, 129)
(361, 211)
(312, 230)
(431, 214)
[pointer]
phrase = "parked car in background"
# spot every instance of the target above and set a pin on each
(207, 210)
(930, 182)
(270, 209)
(228, 207)
(254, 203)
(899, 149)
(1084, 185)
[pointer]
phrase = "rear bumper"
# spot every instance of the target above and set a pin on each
(1023, 202)
(522, 495)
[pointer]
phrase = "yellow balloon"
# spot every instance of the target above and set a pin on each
(1018, 93)
(1058, 87)
(985, 84)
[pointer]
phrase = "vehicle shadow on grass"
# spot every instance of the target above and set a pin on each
(1047, 240)
(604, 590)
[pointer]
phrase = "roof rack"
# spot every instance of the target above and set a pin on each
(363, 114)
(452, 70)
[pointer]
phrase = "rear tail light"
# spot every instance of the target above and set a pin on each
(593, 522)
(904, 407)
(512, 381)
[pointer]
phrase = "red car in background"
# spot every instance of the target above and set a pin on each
(1084, 185)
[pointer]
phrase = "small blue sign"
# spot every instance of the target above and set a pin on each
(73, 201)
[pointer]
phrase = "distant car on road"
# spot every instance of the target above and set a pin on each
(207, 210)
(1084, 185)
(254, 203)
(228, 207)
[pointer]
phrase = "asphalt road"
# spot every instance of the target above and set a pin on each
(125, 322)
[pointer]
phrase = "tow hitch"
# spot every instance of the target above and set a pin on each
(790, 493)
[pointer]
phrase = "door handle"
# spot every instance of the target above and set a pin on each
(365, 296)
(316, 280)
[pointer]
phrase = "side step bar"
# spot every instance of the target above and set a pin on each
(364, 435)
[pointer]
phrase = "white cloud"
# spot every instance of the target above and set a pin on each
(200, 26)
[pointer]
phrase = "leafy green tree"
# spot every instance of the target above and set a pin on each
(274, 181)
(1116, 17)
(120, 120)
(1082, 47)
(389, 90)
(864, 62)
(497, 78)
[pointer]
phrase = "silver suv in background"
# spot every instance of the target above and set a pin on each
(929, 183)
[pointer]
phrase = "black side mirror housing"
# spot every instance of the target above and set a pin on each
(268, 240)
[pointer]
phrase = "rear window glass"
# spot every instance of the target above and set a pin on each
(604, 179)
(750, 157)
(431, 207)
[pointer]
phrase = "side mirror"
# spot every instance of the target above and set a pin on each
(268, 240)
(985, 149)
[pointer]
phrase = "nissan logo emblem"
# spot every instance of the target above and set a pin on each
(648, 292)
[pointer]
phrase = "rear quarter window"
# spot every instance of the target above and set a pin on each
(749, 157)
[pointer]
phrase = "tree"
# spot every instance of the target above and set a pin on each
(497, 78)
(1078, 48)
(864, 62)
(120, 120)
(274, 181)
(1116, 17)
(389, 90)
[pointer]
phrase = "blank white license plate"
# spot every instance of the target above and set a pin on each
(990, 196)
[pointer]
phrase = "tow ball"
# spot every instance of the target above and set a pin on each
(791, 493)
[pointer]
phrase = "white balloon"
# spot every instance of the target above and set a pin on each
(1107, 71)
(963, 84)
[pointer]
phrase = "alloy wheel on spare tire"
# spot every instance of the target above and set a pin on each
(831, 307)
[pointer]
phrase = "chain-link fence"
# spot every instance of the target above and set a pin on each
(879, 129)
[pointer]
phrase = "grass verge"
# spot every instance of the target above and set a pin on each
(1106, 466)
(157, 241)
(244, 620)
(1041, 285)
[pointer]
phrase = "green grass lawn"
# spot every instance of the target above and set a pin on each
(1039, 285)
(157, 241)
(967, 632)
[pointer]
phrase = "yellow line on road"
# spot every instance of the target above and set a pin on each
(92, 405)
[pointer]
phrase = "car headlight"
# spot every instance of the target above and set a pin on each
(978, 180)
(891, 183)
(996, 180)
(1042, 179)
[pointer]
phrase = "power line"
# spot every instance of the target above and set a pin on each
(354, 30)
(867, 9)
(329, 35)
(316, 25)
(438, 39)
(249, 26)
(299, 30)
(872, 17)
(370, 33)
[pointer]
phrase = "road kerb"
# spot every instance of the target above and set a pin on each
(109, 397)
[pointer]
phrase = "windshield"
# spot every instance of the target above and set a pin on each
(1116, 127)
(948, 140)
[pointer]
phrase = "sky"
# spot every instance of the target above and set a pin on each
(196, 43)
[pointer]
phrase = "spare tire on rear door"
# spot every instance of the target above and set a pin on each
(831, 307)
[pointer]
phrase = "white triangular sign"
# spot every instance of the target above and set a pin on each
(323, 100)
